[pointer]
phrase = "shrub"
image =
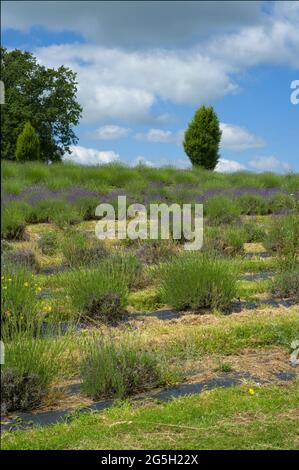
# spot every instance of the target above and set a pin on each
(222, 210)
(106, 308)
(19, 392)
(26, 258)
(225, 241)
(129, 266)
(13, 221)
(79, 250)
(252, 204)
(154, 251)
(286, 285)
(281, 202)
(202, 138)
(198, 281)
(33, 361)
(114, 369)
(48, 243)
(28, 145)
(88, 288)
(283, 236)
(86, 207)
(19, 302)
(254, 233)
(56, 211)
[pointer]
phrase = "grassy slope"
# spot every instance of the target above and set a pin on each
(104, 177)
(219, 419)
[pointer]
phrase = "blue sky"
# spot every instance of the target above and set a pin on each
(144, 67)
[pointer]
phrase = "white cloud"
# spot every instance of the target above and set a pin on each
(124, 85)
(238, 139)
(275, 40)
(162, 136)
(155, 135)
(110, 132)
(228, 166)
(90, 156)
(120, 23)
(268, 163)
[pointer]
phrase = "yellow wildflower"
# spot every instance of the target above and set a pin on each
(251, 391)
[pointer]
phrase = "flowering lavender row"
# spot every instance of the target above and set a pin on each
(154, 192)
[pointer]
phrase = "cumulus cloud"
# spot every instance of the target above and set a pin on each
(161, 136)
(110, 132)
(274, 41)
(155, 135)
(119, 23)
(268, 163)
(89, 156)
(237, 138)
(228, 166)
(124, 85)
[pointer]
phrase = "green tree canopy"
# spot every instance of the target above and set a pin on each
(42, 96)
(28, 145)
(202, 138)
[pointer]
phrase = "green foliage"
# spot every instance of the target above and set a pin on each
(56, 211)
(196, 281)
(252, 204)
(224, 240)
(87, 286)
(118, 369)
(286, 284)
(222, 210)
(48, 243)
(80, 250)
(22, 257)
(13, 220)
(254, 233)
(283, 236)
(28, 145)
(129, 266)
(86, 207)
(202, 138)
(19, 301)
(32, 362)
(44, 96)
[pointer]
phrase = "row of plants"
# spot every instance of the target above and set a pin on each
(105, 177)
(16, 215)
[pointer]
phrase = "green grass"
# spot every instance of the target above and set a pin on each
(103, 177)
(229, 337)
(115, 367)
(219, 419)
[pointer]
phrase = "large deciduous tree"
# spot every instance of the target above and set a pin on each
(44, 97)
(202, 138)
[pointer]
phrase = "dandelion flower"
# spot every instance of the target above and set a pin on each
(251, 391)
